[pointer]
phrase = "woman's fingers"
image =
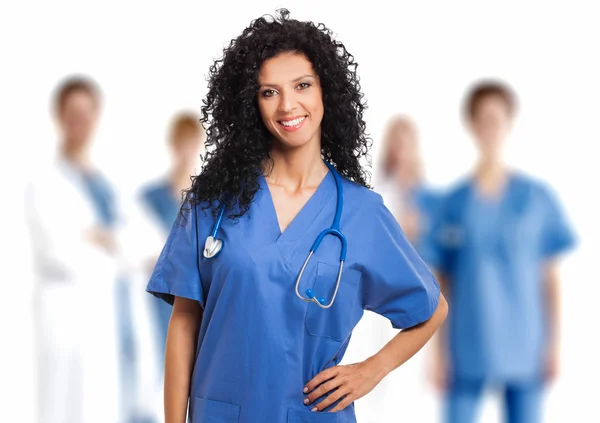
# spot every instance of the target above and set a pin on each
(323, 389)
(320, 378)
(335, 395)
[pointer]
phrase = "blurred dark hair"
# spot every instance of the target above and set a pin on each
(72, 84)
(238, 143)
(489, 88)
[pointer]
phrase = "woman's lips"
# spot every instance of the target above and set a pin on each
(294, 126)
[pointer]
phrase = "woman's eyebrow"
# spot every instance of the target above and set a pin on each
(303, 76)
(293, 80)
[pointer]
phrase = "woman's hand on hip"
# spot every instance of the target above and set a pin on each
(349, 382)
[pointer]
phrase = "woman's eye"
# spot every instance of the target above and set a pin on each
(268, 93)
(303, 85)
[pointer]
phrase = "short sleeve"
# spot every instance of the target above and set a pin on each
(177, 271)
(396, 282)
(557, 235)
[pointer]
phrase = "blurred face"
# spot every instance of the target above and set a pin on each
(186, 150)
(491, 124)
(290, 100)
(77, 118)
(403, 144)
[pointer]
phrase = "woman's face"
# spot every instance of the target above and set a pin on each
(403, 144)
(491, 124)
(290, 100)
(186, 150)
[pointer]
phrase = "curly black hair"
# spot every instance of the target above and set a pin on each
(239, 144)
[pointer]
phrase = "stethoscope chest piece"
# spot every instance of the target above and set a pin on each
(212, 247)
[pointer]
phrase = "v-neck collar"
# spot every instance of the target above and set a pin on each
(305, 217)
(492, 200)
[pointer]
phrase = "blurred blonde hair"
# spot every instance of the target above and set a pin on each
(395, 123)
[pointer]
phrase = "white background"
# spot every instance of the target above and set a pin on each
(151, 59)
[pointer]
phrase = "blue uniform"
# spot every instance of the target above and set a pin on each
(426, 202)
(492, 251)
(420, 198)
(164, 206)
(259, 344)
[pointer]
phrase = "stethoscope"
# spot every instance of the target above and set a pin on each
(213, 245)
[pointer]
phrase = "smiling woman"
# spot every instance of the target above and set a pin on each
(288, 102)
(285, 135)
(276, 72)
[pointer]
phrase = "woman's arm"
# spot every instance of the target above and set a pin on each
(356, 380)
(409, 341)
(182, 339)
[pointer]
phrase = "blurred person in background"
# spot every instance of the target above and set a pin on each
(161, 201)
(495, 246)
(402, 183)
(71, 216)
(83, 317)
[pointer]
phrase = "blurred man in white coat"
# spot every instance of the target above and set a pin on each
(72, 217)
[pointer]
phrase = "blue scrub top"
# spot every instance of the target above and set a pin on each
(426, 201)
(259, 344)
(492, 253)
(160, 200)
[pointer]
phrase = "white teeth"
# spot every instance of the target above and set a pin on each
(292, 122)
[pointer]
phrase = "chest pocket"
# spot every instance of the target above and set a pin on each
(340, 319)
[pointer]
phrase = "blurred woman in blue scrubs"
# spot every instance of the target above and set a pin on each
(402, 182)
(162, 200)
(495, 245)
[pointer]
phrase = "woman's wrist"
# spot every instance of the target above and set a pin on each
(381, 365)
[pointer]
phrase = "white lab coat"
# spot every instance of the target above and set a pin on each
(74, 303)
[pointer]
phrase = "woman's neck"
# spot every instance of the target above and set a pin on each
(297, 168)
(408, 176)
(179, 180)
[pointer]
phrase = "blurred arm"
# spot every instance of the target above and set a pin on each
(179, 361)
(443, 282)
(141, 239)
(63, 250)
(552, 299)
(439, 367)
